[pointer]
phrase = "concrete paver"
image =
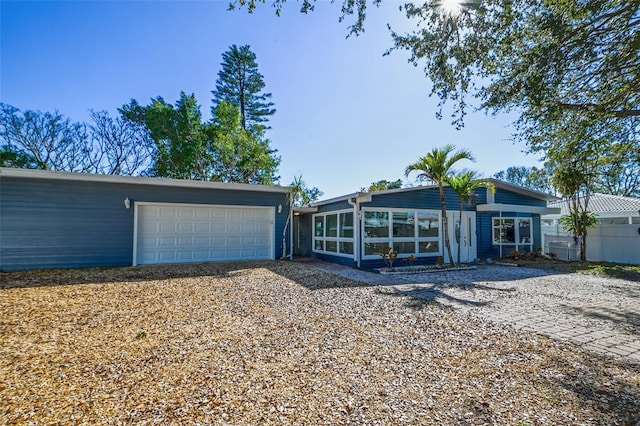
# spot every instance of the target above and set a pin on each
(597, 313)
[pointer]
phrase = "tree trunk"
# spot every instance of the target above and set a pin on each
(445, 224)
(459, 233)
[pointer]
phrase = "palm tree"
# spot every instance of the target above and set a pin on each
(435, 167)
(465, 184)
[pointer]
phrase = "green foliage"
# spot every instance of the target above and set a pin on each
(384, 185)
(178, 134)
(349, 7)
(241, 84)
(239, 155)
(301, 194)
(537, 57)
(187, 148)
(436, 167)
(538, 179)
(10, 157)
(576, 222)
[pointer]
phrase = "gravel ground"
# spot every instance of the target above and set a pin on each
(280, 343)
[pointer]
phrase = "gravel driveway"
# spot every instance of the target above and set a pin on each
(597, 313)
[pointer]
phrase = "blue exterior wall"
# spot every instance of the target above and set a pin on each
(52, 223)
(423, 199)
(484, 222)
(429, 199)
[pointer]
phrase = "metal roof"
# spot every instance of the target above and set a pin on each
(604, 203)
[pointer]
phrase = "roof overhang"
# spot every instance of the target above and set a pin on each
(516, 208)
(304, 210)
(136, 180)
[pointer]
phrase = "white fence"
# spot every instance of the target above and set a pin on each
(605, 243)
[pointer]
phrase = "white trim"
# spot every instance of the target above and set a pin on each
(137, 180)
(134, 262)
(390, 239)
(516, 208)
(136, 205)
(516, 232)
(337, 238)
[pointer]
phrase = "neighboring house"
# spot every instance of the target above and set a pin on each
(354, 229)
(615, 239)
(70, 220)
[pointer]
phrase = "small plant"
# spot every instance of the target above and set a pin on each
(411, 260)
(141, 335)
(388, 255)
(515, 254)
(440, 261)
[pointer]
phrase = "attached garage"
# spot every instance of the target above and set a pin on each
(54, 220)
(182, 233)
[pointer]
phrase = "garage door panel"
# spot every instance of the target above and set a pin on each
(185, 227)
(166, 227)
(166, 212)
(183, 233)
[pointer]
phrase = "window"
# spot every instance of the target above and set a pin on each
(333, 233)
(513, 231)
(376, 224)
(405, 231)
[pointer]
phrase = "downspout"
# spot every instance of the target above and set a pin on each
(501, 230)
(353, 202)
(291, 231)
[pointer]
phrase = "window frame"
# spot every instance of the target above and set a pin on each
(337, 240)
(390, 240)
(516, 232)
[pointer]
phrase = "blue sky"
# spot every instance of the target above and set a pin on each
(346, 115)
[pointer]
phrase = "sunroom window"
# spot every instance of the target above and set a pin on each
(407, 232)
(333, 233)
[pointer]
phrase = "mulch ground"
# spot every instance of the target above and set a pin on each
(279, 343)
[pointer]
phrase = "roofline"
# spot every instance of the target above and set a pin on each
(522, 190)
(498, 183)
(136, 180)
(336, 199)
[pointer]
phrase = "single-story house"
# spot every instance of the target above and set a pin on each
(52, 220)
(616, 238)
(355, 228)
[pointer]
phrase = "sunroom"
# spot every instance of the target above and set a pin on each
(355, 229)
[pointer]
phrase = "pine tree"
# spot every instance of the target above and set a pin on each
(240, 84)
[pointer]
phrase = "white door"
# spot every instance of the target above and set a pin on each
(464, 230)
(181, 233)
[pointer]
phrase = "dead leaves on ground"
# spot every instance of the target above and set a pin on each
(278, 343)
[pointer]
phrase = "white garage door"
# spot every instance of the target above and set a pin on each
(178, 233)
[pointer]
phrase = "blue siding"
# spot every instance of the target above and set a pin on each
(422, 199)
(484, 222)
(507, 197)
(340, 205)
(340, 260)
(46, 224)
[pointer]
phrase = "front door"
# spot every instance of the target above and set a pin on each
(462, 229)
